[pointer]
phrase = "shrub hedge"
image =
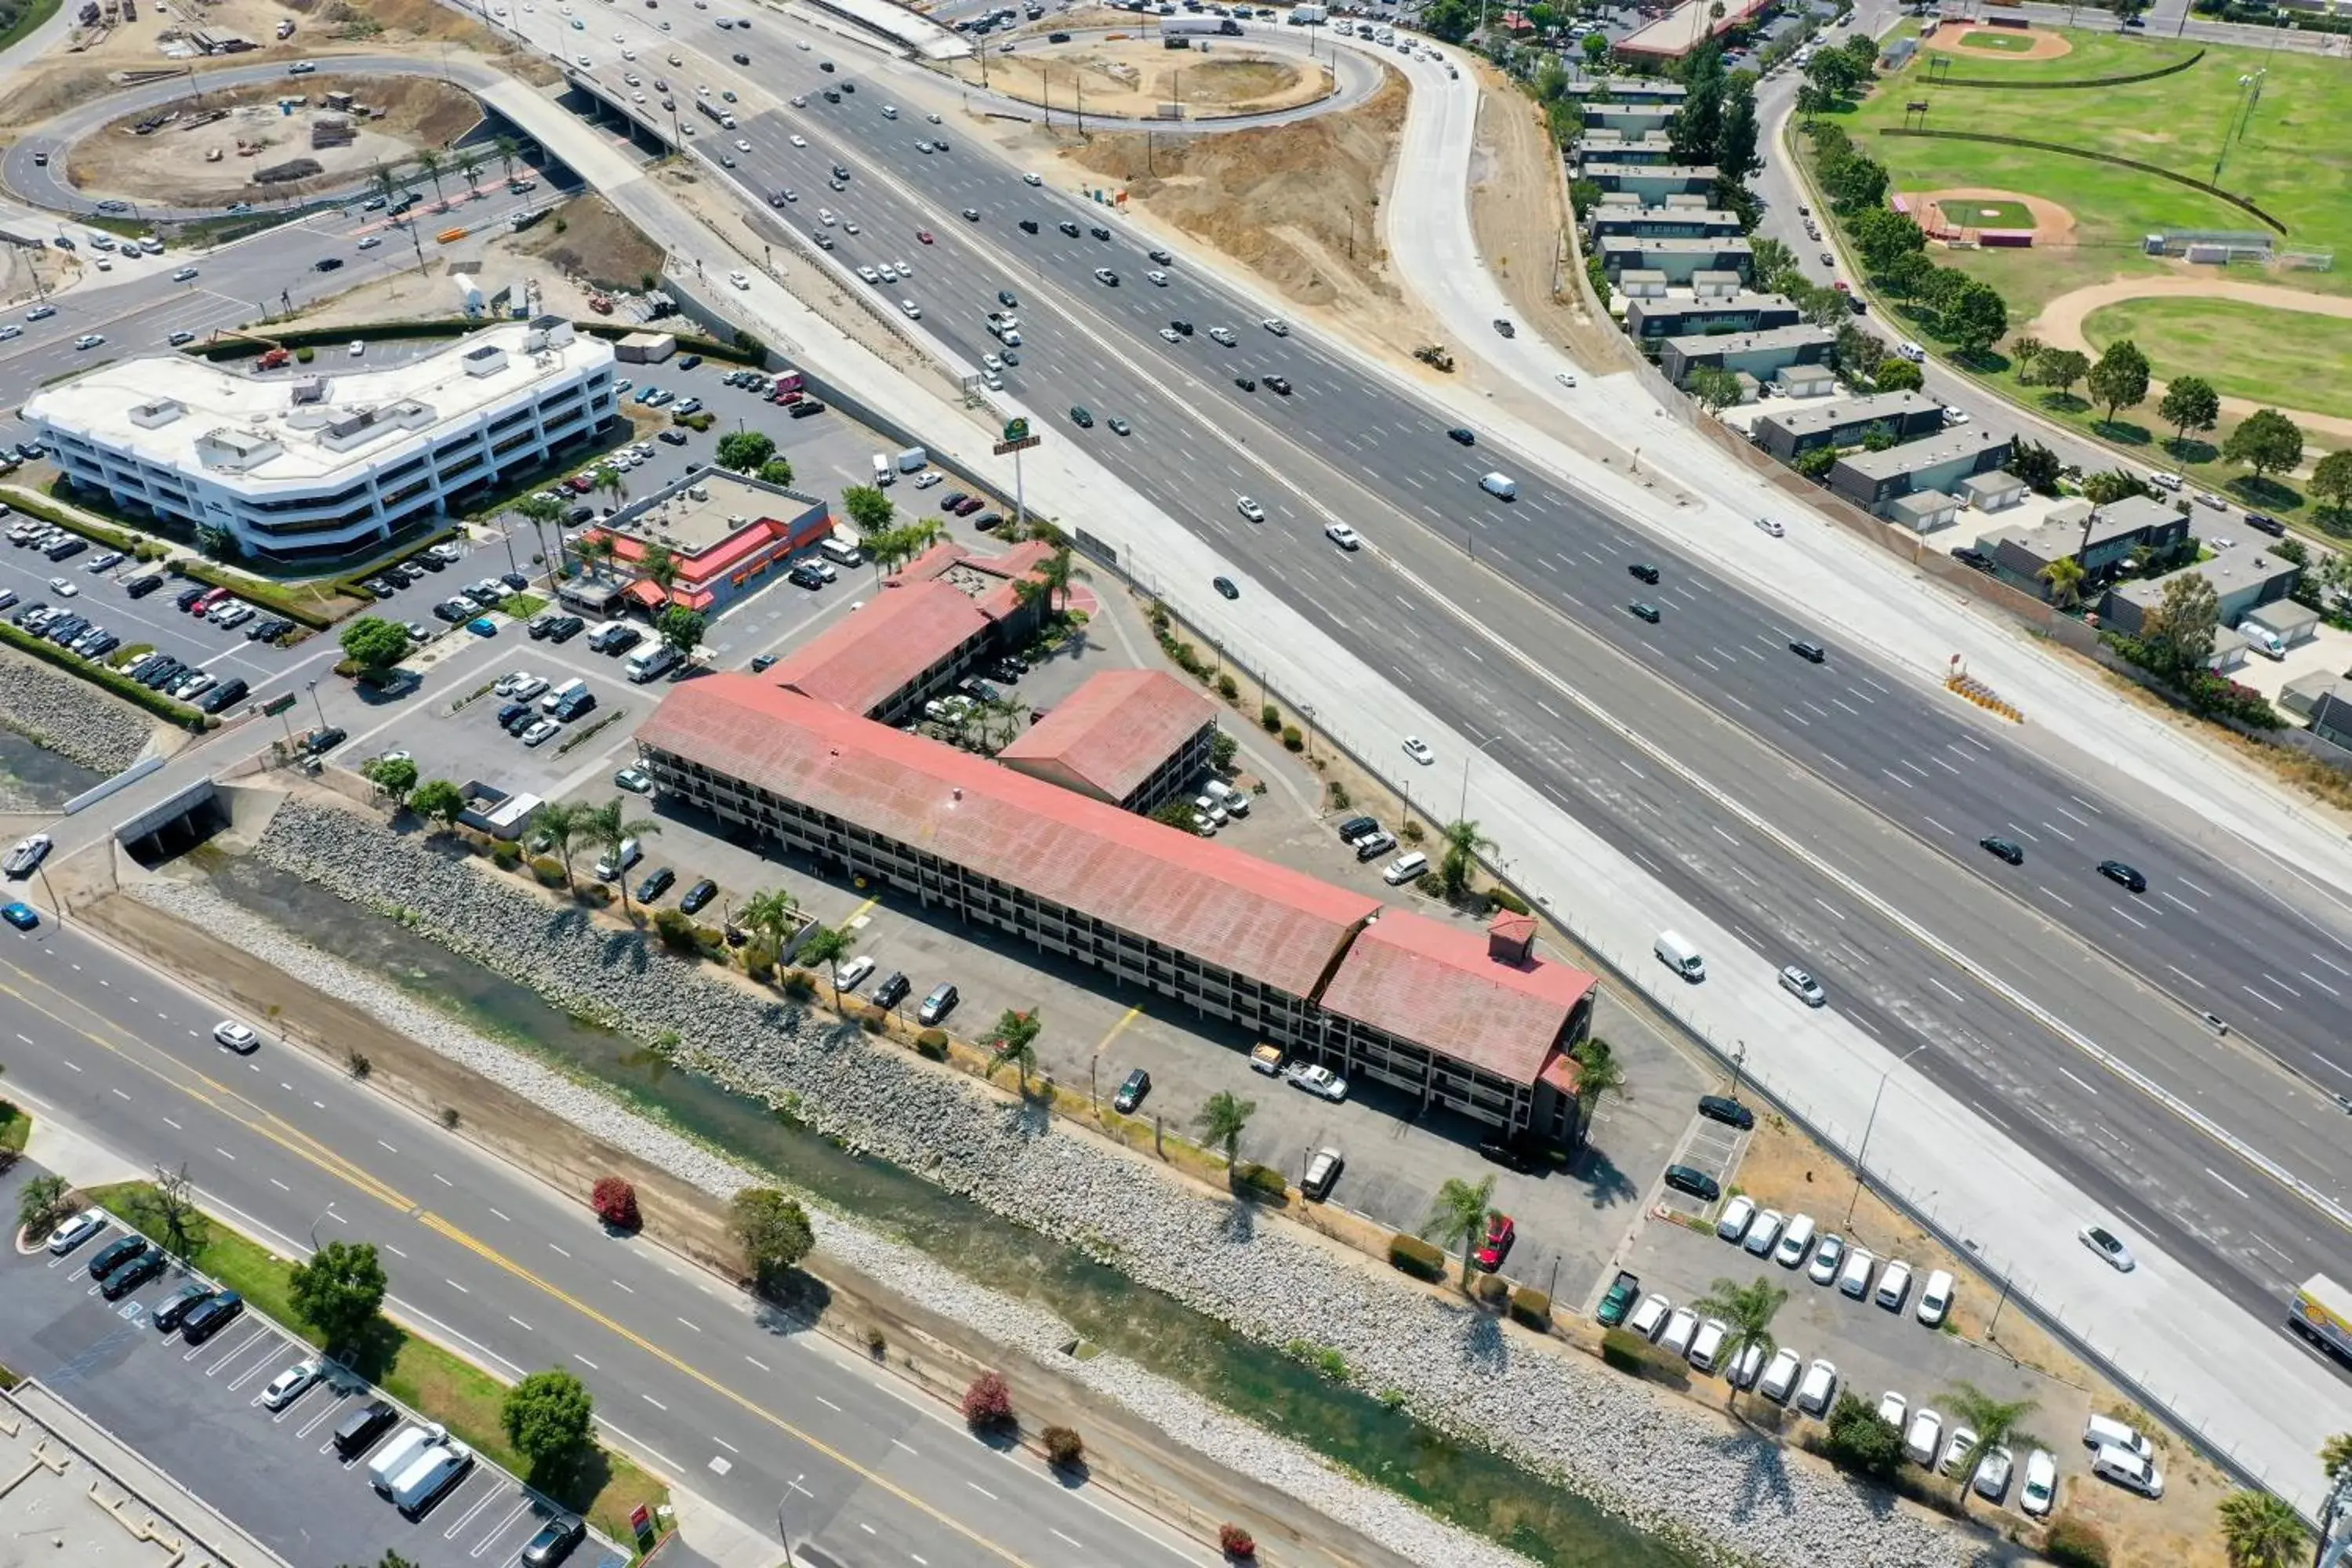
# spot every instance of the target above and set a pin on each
(548, 870)
(932, 1043)
(98, 674)
(1415, 1257)
(253, 590)
(1264, 1180)
(1490, 1288)
(2075, 1543)
(131, 544)
(1531, 1307)
(1629, 1352)
(299, 337)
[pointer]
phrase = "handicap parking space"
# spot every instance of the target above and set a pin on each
(198, 1412)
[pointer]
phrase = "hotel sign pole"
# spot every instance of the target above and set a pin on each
(1017, 440)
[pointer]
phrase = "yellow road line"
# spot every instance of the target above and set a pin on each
(1116, 1029)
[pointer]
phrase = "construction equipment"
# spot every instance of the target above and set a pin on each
(1435, 355)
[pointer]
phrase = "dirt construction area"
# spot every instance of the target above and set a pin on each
(1968, 40)
(1131, 78)
(193, 152)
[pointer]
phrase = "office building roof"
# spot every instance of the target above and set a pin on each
(1113, 732)
(1434, 983)
(1229, 910)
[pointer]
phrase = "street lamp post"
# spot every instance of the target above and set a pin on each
(312, 687)
(1738, 1062)
(1863, 1155)
(1463, 814)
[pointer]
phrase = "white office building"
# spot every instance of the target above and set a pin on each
(324, 461)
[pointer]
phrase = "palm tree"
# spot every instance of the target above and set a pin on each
(608, 827)
(540, 511)
(1055, 573)
(506, 148)
(469, 164)
(1746, 1312)
(1220, 1119)
(2261, 1530)
(595, 550)
(1014, 1038)
(1463, 843)
(772, 914)
(562, 822)
(1597, 1073)
(386, 183)
(2064, 576)
(1460, 1214)
(659, 567)
(610, 482)
(1998, 1422)
(2335, 1454)
(429, 163)
(827, 945)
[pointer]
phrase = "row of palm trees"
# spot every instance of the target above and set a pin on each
(570, 826)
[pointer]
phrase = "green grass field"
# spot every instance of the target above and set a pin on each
(2284, 359)
(1971, 213)
(2292, 158)
(2008, 43)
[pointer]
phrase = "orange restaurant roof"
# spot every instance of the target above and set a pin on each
(1425, 981)
(1114, 729)
(860, 661)
(1280, 927)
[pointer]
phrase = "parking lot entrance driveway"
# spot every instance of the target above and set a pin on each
(194, 1413)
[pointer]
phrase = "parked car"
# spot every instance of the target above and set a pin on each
(1131, 1093)
(1730, 1111)
(1919, 1437)
(76, 1231)
(291, 1385)
(1322, 1173)
(1650, 1316)
(938, 1005)
(1738, 1215)
(1779, 1377)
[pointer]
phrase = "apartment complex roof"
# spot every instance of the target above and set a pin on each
(1804, 419)
(860, 662)
(1424, 980)
(1916, 457)
(1281, 927)
(1113, 732)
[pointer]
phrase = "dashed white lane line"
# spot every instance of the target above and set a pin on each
(519, 1323)
(2225, 1180)
(2079, 1082)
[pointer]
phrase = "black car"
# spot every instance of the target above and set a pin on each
(1974, 559)
(362, 1426)
(322, 742)
(179, 1304)
(1505, 328)
(1278, 383)
(131, 1274)
(1246, 383)
(1467, 436)
(1697, 1183)
(511, 713)
(140, 587)
(1355, 827)
(566, 628)
(1644, 570)
(672, 437)
(657, 883)
(805, 576)
(741, 59)
(186, 597)
(1225, 586)
(2263, 522)
(2117, 872)
(617, 640)
(573, 706)
(327, 264)
(553, 1542)
(1182, 328)
(1162, 257)
(952, 501)
(805, 407)
(116, 1253)
(1028, 226)
(1643, 612)
(698, 895)
(224, 696)
(1724, 1108)
(1130, 1093)
(1508, 1154)
(688, 362)
(1811, 652)
(760, 661)
(2002, 848)
(893, 990)
(1006, 298)
(210, 1316)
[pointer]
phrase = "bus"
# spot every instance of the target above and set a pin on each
(2323, 1314)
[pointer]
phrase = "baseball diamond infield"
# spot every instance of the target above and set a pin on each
(1944, 214)
(1990, 43)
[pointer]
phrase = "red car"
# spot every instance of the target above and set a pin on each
(924, 235)
(969, 505)
(1501, 1231)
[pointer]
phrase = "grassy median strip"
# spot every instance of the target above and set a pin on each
(435, 1382)
(98, 674)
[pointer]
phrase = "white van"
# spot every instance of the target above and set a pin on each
(395, 1456)
(1820, 1386)
(2264, 640)
(914, 459)
(842, 552)
(2106, 1432)
(430, 1475)
(1404, 869)
(555, 699)
(615, 862)
(1502, 487)
(1235, 801)
(884, 474)
(1795, 1242)
(646, 663)
(1678, 953)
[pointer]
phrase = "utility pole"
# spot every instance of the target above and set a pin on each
(1860, 1168)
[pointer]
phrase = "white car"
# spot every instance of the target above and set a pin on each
(1340, 534)
(1156, 277)
(185, 275)
(854, 972)
(1418, 749)
(288, 1385)
(2129, 1471)
(824, 215)
(928, 478)
(799, 141)
(1892, 1407)
(1032, 179)
(1936, 1298)
(2109, 1245)
(541, 732)
(1920, 1440)
(1682, 1328)
(1804, 987)
(741, 145)
(1738, 1215)
(1223, 335)
(1564, 378)
(911, 311)
(1250, 508)
(1994, 1471)
(2040, 1493)
(1648, 1318)
(1779, 1378)
(1708, 1345)
(1853, 1280)
(1745, 1366)
(29, 853)
(76, 1231)
(1316, 1078)
(1962, 1444)
(1893, 1285)
(991, 363)
(1814, 1395)
(358, 348)
(64, 588)
(1770, 526)
(371, 241)
(869, 274)
(1276, 325)
(1171, 335)
(1827, 1258)
(239, 1037)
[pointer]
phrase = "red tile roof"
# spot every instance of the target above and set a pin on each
(1110, 733)
(861, 660)
(1432, 983)
(1281, 927)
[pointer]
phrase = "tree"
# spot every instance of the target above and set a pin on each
(2120, 378)
(2060, 368)
(438, 800)
(1459, 1213)
(507, 147)
(1597, 1073)
(1861, 1439)
(395, 776)
(868, 508)
(609, 826)
(1734, 143)
(1747, 1312)
(1692, 133)
(469, 165)
(827, 945)
(2190, 402)
(681, 628)
(1998, 1423)
(1943, 286)
(988, 1402)
(429, 163)
(773, 915)
(2266, 441)
(609, 482)
(562, 822)
(42, 1203)
(745, 450)
(775, 1231)
(1595, 47)
(2034, 463)
(1014, 1038)
(1815, 462)
(171, 1205)
(659, 567)
(2259, 1530)
(2110, 486)
(1897, 375)
(1222, 1118)
(547, 1418)
(1177, 812)
(1714, 389)
(2065, 575)
(1879, 436)
(777, 471)
(1882, 235)
(1859, 354)
(1975, 318)
(2336, 1455)
(375, 643)
(2331, 482)
(338, 1291)
(2179, 632)
(2022, 352)
(1907, 274)
(1464, 844)
(1773, 264)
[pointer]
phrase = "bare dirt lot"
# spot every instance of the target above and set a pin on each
(1132, 77)
(196, 159)
(586, 241)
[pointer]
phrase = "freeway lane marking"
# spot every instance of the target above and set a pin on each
(2085, 1087)
(2184, 903)
(2227, 1183)
(2282, 984)
(2188, 977)
(2059, 831)
(1945, 989)
(2320, 957)
(2261, 998)
(2134, 919)
(2316, 980)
